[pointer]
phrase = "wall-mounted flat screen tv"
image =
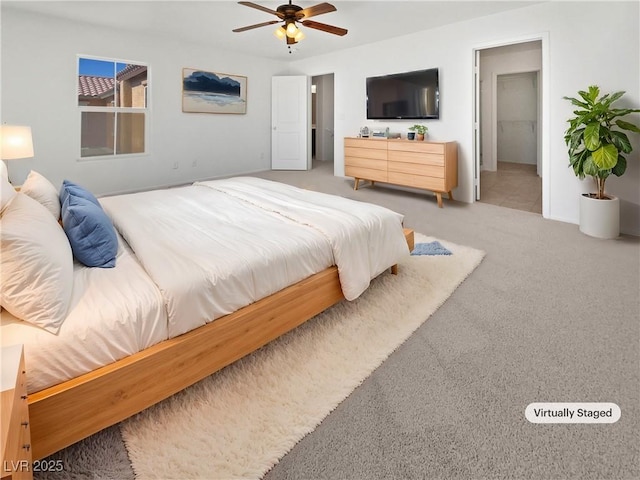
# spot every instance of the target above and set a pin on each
(409, 95)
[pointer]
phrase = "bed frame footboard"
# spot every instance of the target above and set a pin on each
(66, 413)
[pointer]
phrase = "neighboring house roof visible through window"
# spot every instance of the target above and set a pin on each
(95, 87)
(102, 87)
(131, 71)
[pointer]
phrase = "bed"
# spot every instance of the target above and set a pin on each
(202, 275)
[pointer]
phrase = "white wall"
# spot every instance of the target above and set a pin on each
(594, 45)
(39, 89)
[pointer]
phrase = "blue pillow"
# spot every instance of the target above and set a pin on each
(78, 191)
(90, 232)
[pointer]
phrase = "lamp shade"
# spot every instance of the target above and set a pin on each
(291, 30)
(280, 32)
(15, 142)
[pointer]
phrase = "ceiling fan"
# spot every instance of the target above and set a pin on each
(291, 14)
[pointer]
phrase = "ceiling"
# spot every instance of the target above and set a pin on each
(211, 22)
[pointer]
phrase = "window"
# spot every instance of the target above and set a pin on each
(112, 98)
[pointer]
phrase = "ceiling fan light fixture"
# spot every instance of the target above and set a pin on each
(288, 15)
(292, 30)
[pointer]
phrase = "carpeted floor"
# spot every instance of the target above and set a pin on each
(238, 423)
(549, 315)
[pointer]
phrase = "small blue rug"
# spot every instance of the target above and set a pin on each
(431, 248)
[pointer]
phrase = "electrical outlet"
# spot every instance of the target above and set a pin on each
(175, 165)
(194, 163)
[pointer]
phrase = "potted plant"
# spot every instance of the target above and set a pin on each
(596, 146)
(420, 131)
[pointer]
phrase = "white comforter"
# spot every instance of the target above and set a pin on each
(365, 239)
(217, 246)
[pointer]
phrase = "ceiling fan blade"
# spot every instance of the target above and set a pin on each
(315, 10)
(257, 25)
(260, 7)
(325, 28)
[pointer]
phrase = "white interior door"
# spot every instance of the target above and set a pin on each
(290, 123)
(477, 147)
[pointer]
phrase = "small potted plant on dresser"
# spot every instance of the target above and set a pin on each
(596, 146)
(420, 130)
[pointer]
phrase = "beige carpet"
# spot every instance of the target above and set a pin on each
(239, 422)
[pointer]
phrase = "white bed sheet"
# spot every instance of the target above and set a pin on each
(212, 254)
(115, 312)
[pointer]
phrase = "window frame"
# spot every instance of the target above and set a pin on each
(146, 110)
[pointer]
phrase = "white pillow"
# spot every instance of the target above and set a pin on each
(42, 190)
(7, 192)
(36, 266)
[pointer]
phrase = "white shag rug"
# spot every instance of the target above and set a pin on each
(239, 422)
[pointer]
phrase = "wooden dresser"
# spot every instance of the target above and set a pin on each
(16, 440)
(429, 165)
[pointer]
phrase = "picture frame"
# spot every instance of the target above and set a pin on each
(213, 92)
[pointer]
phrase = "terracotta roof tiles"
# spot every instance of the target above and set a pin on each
(90, 86)
(130, 71)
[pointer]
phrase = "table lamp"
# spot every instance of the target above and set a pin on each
(15, 142)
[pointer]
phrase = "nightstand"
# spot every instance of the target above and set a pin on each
(409, 237)
(16, 438)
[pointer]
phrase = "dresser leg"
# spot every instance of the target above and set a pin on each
(439, 197)
(355, 185)
(450, 195)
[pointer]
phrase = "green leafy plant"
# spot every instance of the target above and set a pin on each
(421, 129)
(595, 145)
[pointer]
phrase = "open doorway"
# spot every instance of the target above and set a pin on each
(510, 133)
(322, 121)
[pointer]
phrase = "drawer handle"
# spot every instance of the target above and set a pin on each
(25, 424)
(26, 446)
(23, 397)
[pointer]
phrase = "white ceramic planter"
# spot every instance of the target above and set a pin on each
(600, 218)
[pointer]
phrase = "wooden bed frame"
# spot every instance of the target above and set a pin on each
(68, 412)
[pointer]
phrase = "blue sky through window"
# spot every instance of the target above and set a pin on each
(99, 68)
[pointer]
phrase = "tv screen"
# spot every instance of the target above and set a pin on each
(409, 95)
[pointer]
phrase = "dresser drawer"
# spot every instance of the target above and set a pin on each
(366, 173)
(416, 169)
(366, 143)
(417, 181)
(366, 163)
(415, 146)
(359, 152)
(415, 157)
